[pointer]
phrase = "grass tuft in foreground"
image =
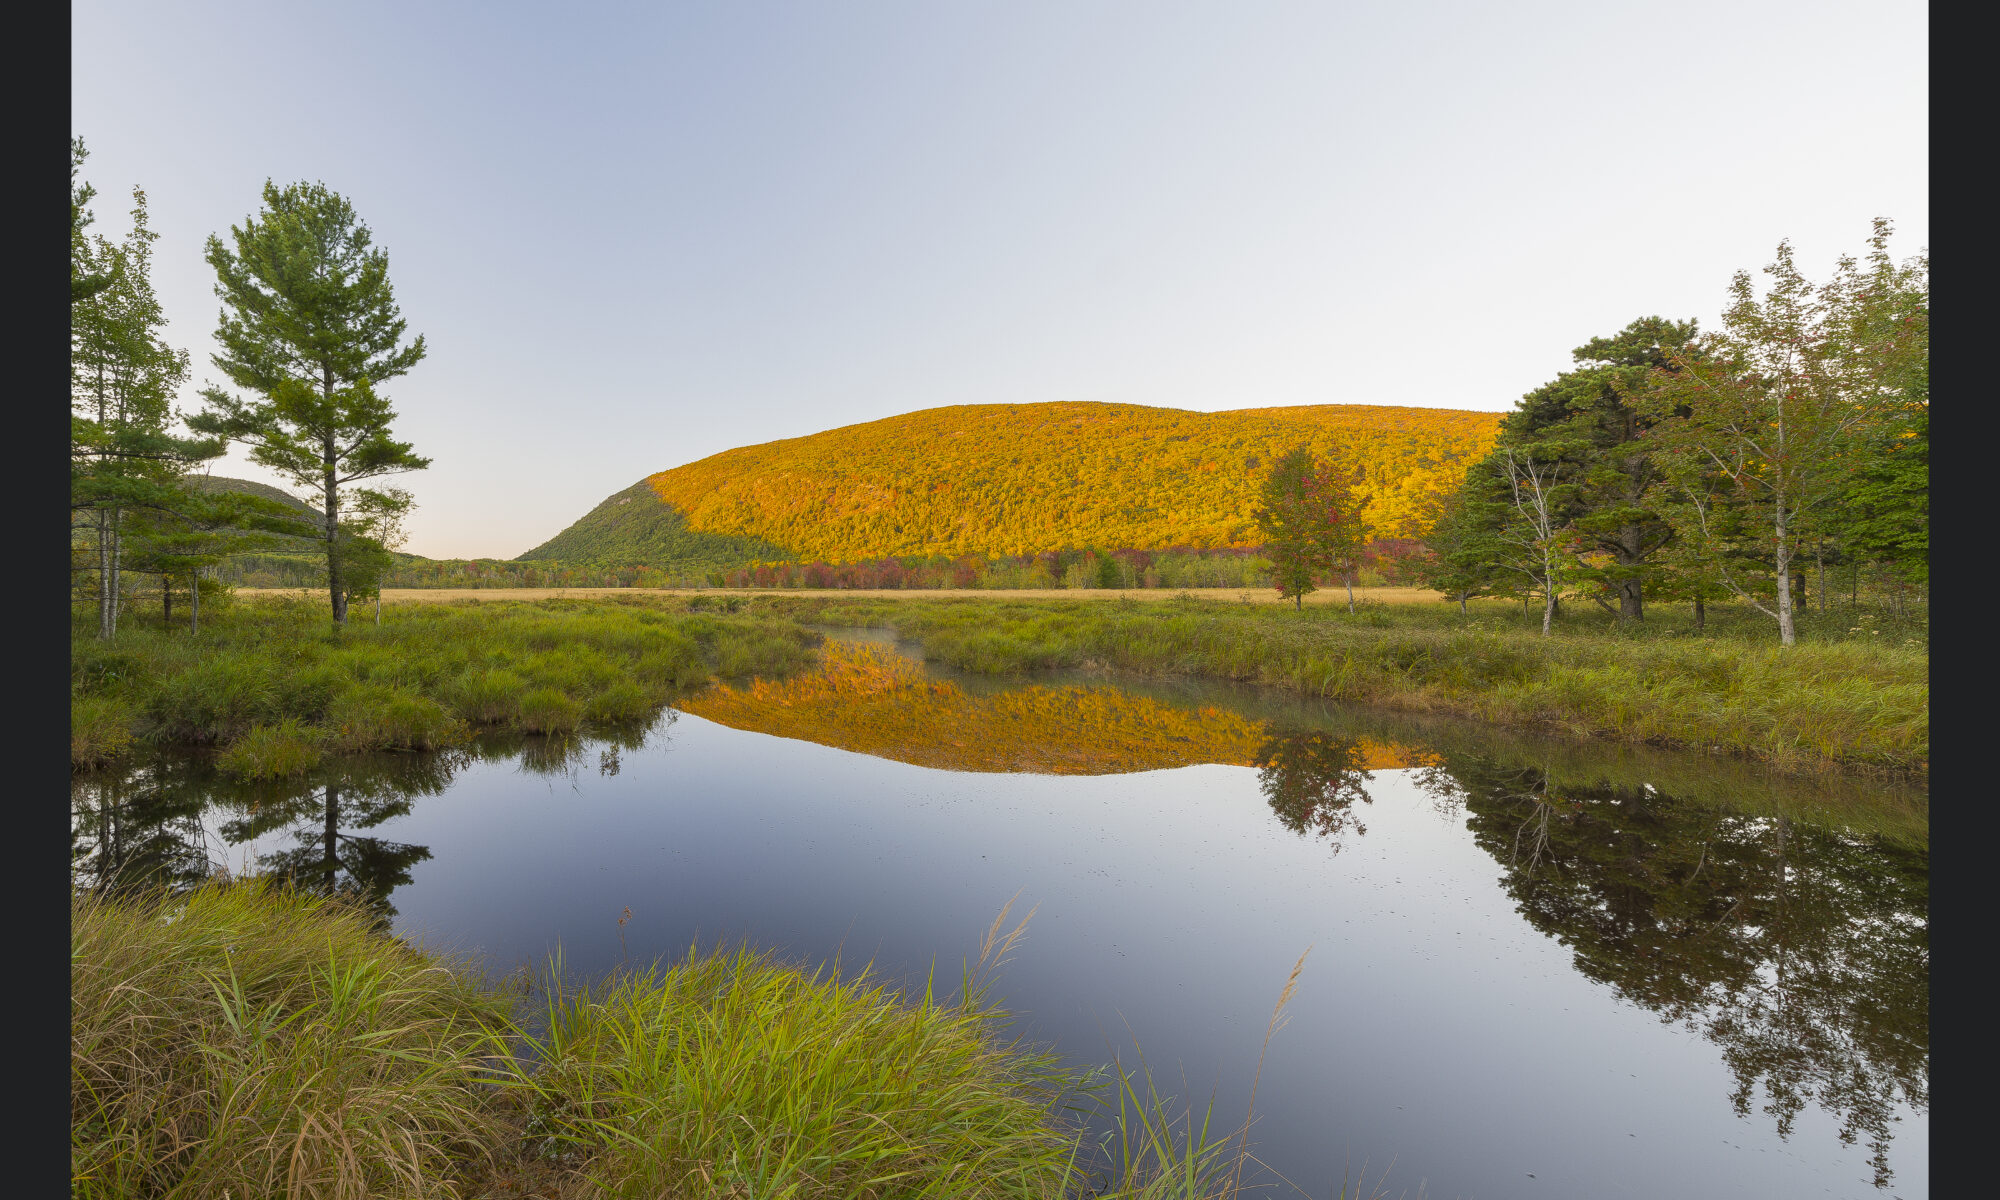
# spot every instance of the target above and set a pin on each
(250, 1042)
(730, 1073)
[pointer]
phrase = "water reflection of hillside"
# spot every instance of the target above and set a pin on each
(871, 700)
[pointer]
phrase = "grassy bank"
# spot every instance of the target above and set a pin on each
(268, 684)
(1840, 699)
(248, 1041)
(275, 688)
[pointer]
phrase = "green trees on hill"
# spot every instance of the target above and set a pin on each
(634, 527)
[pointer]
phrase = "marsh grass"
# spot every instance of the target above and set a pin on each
(273, 751)
(1830, 702)
(427, 677)
(251, 1040)
(100, 729)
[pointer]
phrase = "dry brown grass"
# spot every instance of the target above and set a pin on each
(1380, 595)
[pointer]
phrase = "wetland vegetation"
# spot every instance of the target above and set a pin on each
(273, 688)
(1850, 700)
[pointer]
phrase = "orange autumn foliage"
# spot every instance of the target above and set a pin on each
(998, 479)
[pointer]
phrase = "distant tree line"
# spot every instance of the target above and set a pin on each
(1385, 561)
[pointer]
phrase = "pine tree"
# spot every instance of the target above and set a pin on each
(311, 327)
(124, 456)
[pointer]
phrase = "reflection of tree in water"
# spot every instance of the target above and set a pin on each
(153, 825)
(140, 829)
(327, 856)
(1802, 952)
(1312, 781)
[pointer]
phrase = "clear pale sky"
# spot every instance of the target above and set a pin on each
(635, 235)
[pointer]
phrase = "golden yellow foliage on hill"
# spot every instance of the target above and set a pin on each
(1022, 478)
(873, 701)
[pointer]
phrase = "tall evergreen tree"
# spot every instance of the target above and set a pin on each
(124, 455)
(1610, 505)
(310, 326)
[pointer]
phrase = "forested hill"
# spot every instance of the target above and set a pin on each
(250, 487)
(1018, 479)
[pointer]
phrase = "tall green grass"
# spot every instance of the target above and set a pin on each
(1846, 702)
(269, 680)
(241, 1041)
(730, 1073)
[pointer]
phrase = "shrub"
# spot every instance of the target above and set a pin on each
(273, 751)
(546, 710)
(100, 729)
(379, 717)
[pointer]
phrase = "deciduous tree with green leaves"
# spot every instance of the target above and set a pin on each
(379, 516)
(1780, 406)
(310, 325)
(1311, 524)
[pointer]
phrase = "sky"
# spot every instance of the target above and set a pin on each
(636, 235)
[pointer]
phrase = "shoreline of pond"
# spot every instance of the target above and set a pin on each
(268, 684)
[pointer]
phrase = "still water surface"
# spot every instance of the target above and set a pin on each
(1537, 969)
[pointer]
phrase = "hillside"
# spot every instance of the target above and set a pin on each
(250, 487)
(1017, 479)
(634, 527)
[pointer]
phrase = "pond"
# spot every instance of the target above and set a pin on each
(1537, 968)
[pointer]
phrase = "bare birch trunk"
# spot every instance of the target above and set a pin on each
(1548, 594)
(103, 575)
(1787, 632)
(1350, 591)
(117, 563)
(194, 602)
(1819, 560)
